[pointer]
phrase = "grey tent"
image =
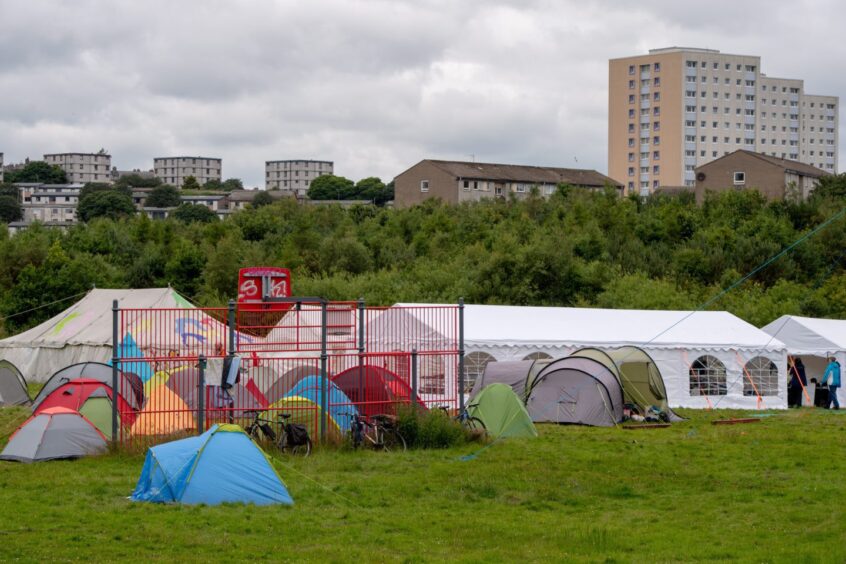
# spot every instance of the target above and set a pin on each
(575, 390)
(54, 433)
(12, 385)
(130, 386)
(515, 373)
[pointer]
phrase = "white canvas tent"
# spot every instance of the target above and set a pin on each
(723, 351)
(813, 340)
(81, 333)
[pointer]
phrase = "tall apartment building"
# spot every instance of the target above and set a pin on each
(174, 170)
(83, 167)
(677, 108)
(294, 176)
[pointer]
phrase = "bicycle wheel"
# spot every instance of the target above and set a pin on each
(295, 450)
(475, 424)
(392, 440)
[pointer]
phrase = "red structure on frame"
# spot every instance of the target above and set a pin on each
(257, 283)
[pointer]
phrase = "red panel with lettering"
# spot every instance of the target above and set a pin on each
(259, 282)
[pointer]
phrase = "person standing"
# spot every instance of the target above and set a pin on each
(832, 379)
(797, 383)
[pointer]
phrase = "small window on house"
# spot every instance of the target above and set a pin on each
(424, 185)
(739, 178)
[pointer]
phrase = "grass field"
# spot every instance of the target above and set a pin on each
(767, 492)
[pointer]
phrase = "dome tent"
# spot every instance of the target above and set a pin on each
(52, 434)
(223, 465)
(502, 412)
(12, 385)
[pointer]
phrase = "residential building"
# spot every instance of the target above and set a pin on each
(458, 181)
(294, 176)
(214, 202)
(774, 177)
(49, 203)
(83, 167)
(118, 174)
(240, 199)
(678, 108)
(174, 170)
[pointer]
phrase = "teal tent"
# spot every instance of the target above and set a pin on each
(502, 412)
(223, 465)
(128, 348)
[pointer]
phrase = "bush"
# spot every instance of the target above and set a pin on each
(431, 429)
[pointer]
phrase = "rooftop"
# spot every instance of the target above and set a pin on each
(524, 173)
(788, 165)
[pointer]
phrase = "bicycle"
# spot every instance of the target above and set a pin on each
(380, 433)
(468, 421)
(292, 437)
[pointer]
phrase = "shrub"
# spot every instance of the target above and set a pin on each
(431, 429)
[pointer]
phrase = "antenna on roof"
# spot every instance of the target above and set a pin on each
(472, 157)
(575, 158)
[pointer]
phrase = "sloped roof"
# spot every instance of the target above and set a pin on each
(809, 335)
(786, 164)
(524, 173)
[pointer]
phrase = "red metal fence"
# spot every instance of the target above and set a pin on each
(318, 361)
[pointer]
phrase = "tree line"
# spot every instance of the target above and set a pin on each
(577, 248)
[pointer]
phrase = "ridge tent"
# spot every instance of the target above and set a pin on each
(813, 340)
(704, 356)
(223, 465)
(164, 413)
(338, 404)
(83, 332)
(52, 434)
(130, 387)
(576, 390)
(642, 382)
(502, 412)
(305, 412)
(374, 390)
(91, 398)
(13, 389)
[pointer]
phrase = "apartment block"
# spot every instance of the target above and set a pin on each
(53, 204)
(83, 167)
(457, 181)
(294, 176)
(678, 108)
(174, 170)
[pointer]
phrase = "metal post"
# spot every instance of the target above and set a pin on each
(115, 361)
(324, 383)
(201, 395)
(414, 377)
(461, 355)
(231, 324)
(361, 351)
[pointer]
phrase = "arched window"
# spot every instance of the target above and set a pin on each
(537, 356)
(763, 373)
(474, 367)
(707, 377)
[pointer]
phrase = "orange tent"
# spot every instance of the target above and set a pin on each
(164, 413)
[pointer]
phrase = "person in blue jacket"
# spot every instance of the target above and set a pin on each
(832, 379)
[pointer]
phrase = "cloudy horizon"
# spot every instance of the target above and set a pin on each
(374, 86)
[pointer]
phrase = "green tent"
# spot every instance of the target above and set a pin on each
(502, 412)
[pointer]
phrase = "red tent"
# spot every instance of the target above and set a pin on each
(374, 390)
(75, 393)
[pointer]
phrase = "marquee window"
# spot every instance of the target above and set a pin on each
(763, 373)
(474, 367)
(707, 377)
(537, 356)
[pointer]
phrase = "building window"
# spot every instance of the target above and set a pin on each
(631, 69)
(739, 178)
(760, 374)
(424, 185)
(707, 377)
(657, 67)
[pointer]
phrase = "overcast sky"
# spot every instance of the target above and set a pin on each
(374, 86)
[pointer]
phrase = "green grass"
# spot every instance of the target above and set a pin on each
(772, 491)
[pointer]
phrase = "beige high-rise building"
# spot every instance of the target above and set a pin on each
(294, 176)
(678, 108)
(83, 167)
(174, 170)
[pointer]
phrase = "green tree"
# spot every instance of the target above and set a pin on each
(231, 184)
(106, 203)
(91, 187)
(374, 189)
(137, 181)
(163, 196)
(331, 187)
(189, 213)
(190, 183)
(262, 198)
(10, 209)
(37, 171)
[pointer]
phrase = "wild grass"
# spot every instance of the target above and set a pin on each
(771, 491)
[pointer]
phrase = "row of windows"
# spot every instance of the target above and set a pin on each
(715, 66)
(646, 68)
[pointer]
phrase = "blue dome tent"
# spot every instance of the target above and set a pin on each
(223, 465)
(340, 406)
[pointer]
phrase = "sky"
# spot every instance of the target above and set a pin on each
(375, 86)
